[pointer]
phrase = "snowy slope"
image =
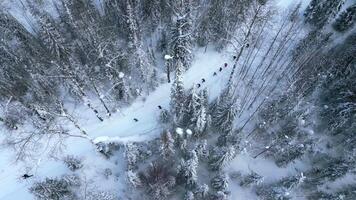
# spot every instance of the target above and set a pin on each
(120, 127)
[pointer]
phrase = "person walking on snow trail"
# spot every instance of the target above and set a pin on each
(203, 80)
(26, 176)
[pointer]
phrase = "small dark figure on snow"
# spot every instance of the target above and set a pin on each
(203, 80)
(135, 119)
(234, 57)
(26, 176)
(247, 45)
(198, 85)
(225, 65)
(214, 74)
(160, 107)
(220, 69)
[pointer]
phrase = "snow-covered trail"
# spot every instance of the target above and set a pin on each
(119, 127)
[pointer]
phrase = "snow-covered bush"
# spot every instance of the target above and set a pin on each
(107, 173)
(107, 148)
(100, 195)
(56, 188)
(72, 162)
(250, 179)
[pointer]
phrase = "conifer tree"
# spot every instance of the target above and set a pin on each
(319, 13)
(167, 145)
(139, 58)
(187, 170)
(177, 93)
(189, 195)
(220, 156)
(182, 34)
(346, 19)
(131, 155)
(224, 114)
(190, 109)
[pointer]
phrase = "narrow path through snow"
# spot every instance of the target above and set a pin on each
(122, 127)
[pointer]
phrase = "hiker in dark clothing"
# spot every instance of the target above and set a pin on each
(225, 65)
(234, 57)
(203, 80)
(247, 45)
(198, 85)
(214, 74)
(160, 107)
(26, 176)
(220, 69)
(135, 119)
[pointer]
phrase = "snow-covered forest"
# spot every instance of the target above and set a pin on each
(177, 99)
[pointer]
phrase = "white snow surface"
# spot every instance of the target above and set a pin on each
(120, 127)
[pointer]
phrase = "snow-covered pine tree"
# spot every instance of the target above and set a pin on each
(187, 170)
(167, 145)
(158, 181)
(189, 195)
(221, 156)
(182, 34)
(122, 92)
(220, 184)
(152, 12)
(177, 93)
(52, 39)
(320, 12)
(202, 121)
(139, 58)
(190, 109)
(220, 21)
(224, 114)
(219, 195)
(202, 118)
(133, 178)
(164, 116)
(202, 192)
(131, 155)
(346, 19)
(56, 188)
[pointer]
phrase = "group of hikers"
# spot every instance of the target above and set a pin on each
(198, 85)
(26, 176)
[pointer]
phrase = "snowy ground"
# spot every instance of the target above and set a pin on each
(120, 127)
